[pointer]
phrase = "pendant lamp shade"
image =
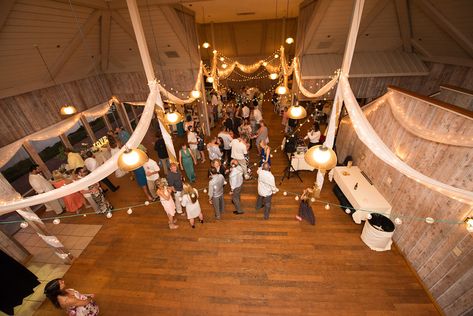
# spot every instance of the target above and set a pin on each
(273, 76)
(281, 89)
(132, 159)
(296, 112)
(321, 157)
(196, 94)
(173, 117)
(68, 110)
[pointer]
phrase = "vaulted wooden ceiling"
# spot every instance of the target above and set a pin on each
(95, 36)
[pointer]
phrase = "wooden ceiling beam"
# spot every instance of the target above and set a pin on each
(97, 5)
(320, 8)
(438, 18)
(128, 29)
(421, 49)
(402, 12)
(105, 26)
(5, 7)
(76, 41)
(372, 15)
(181, 33)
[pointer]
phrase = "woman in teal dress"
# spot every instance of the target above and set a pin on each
(187, 161)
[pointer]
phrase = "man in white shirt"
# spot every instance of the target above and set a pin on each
(152, 174)
(236, 182)
(239, 150)
(245, 112)
(216, 184)
(257, 114)
(227, 138)
(91, 164)
(266, 189)
(41, 185)
(192, 141)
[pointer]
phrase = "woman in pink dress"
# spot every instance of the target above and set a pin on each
(73, 302)
(165, 197)
(75, 201)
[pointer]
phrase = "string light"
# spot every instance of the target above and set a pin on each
(205, 45)
(289, 40)
(129, 211)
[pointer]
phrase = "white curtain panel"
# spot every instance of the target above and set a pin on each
(368, 136)
(101, 172)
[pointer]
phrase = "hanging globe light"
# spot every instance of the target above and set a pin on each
(321, 157)
(173, 117)
(276, 55)
(265, 64)
(222, 58)
(131, 159)
(289, 40)
(68, 110)
(281, 89)
(206, 45)
(273, 76)
(224, 66)
(196, 94)
(296, 112)
(210, 79)
(214, 51)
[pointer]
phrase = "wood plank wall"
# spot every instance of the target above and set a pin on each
(30, 112)
(441, 254)
(372, 88)
(456, 96)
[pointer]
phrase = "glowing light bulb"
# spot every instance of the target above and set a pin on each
(222, 58)
(273, 76)
(289, 40)
(206, 45)
(327, 206)
(281, 90)
(196, 94)
(210, 79)
(224, 66)
(276, 55)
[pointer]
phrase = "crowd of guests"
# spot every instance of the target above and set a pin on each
(242, 130)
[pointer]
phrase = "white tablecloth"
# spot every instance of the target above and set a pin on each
(375, 239)
(298, 162)
(365, 197)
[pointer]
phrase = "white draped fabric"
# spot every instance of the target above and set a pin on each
(7, 152)
(325, 89)
(368, 136)
(176, 100)
(418, 130)
(101, 172)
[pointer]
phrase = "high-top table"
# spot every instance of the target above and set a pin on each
(363, 196)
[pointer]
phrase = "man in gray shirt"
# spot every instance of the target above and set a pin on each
(216, 183)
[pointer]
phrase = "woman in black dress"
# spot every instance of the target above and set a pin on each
(305, 209)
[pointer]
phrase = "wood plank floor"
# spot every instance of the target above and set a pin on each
(240, 265)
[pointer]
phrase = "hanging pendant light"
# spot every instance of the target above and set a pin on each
(131, 159)
(210, 79)
(321, 157)
(68, 110)
(196, 94)
(273, 76)
(205, 45)
(276, 55)
(265, 64)
(222, 58)
(296, 112)
(281, 89)
(289, 40)
(173, 117)
(224, 66)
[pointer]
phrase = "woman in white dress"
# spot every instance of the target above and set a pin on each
(191, 203)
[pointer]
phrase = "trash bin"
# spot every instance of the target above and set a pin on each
(377, 232)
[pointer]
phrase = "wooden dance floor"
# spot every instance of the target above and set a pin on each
(240, 265)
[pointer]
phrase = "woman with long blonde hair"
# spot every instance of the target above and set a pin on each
(165, 197)
(191, 202)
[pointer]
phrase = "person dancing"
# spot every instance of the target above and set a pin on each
(191, 202)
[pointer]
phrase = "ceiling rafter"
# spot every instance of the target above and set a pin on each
(5, 7)
(438, 18)
(105, 27)
(320, 8)
(404, 21)
(181, 32)
(372, 15)
(420, 48)
(128, 29)
(75, 42)
(97, 5)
